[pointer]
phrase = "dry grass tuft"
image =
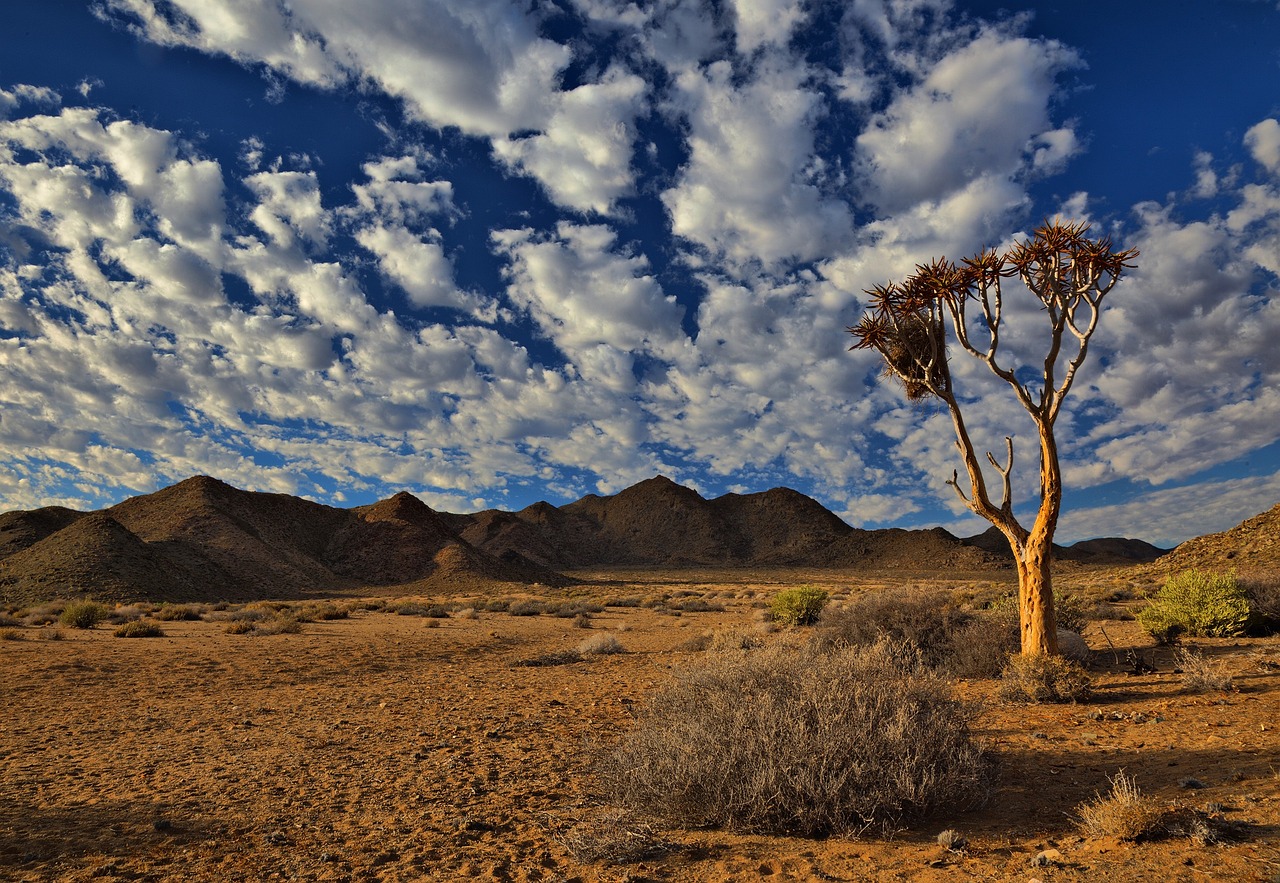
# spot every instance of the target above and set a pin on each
(600, 645)
(1125, 813)
(139, 629)
(1044, 679)
(613, 837)
(1199, 674)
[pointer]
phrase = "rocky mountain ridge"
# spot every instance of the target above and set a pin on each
(202, 539)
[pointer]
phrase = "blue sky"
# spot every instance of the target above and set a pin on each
(496, 252)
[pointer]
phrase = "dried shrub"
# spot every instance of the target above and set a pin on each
(1044, 679)
(526, 608)
(52, 635)
(793, 740)
(582, 621)
(82, 614)
(632, 601)
(121, 614)
(981, 647)
(284, 624)
(11, 635)
(613, 837)
(321, 612)
(177, 613)
(9, 621)
(139, 629)
(239, 627)
(557, 657)
(1070, 612)
(929, 622)
(697, 605)
(1125, 813)
(1201, 675)
(600, 645)
(1263, 592)
(1198, 604)
(467, 613)
(799, 606)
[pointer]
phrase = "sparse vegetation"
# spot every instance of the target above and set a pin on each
(82, 614)
(1199, 674)
(139, 628)
(526, 608)
(600, 645)
(11, 635)
(946, 637)
(796, 741)
(1125, 813)
(613, 836)
(1198, 604)
(1263, 592)
(799, 606)
(1044, 679)
(177, 613)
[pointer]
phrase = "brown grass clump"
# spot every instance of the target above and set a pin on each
(1263, 592)
(613, 836)
(1125, 813)
(1044, 679)
(11, 635)
(139, 628)
(600, 645)
(178, 613)
(792, 740)
(1199, 674)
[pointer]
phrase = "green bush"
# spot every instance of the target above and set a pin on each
(799, 606)
(1198, 604)
(82, 614)
(797, 741)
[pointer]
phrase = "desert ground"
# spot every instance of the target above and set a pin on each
(389, 747)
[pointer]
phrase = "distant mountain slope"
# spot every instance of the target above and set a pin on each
(1254, 543)
(1107, 550)
(20, 530)
(202, 539)
(658, 522)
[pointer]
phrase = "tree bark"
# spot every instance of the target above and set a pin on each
(1039, 627)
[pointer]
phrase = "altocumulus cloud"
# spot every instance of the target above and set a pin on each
(713, 195)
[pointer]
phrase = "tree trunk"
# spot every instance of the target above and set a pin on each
(1035, 581)
(1039, 627)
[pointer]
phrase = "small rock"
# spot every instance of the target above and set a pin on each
(1046, 858)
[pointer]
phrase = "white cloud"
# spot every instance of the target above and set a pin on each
(765, 21)
(748, 192)
(977, 112)
(1167, 517)
(479, 66)
(1263, 141)
(584, 294)
(583, 155)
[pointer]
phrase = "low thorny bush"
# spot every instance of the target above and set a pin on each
(800, 741)
(1044, 679)
(961, 642)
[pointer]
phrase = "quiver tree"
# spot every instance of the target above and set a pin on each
(911, 323)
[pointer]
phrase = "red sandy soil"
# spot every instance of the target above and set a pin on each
(381, 748)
